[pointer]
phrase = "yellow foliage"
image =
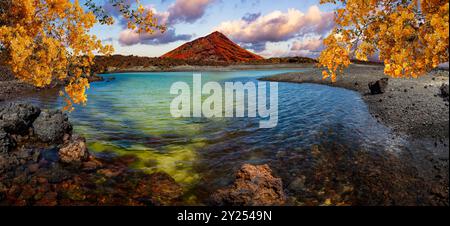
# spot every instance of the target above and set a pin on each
(411, 36)
(49, 40)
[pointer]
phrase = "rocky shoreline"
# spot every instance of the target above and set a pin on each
(13, 89)
(43, 163)
(410, 106)
(414, 109)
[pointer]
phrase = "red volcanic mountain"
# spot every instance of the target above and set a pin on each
(214, 47)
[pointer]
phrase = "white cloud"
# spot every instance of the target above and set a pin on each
(278, 26)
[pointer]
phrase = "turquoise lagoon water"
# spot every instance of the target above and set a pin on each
(130, 115)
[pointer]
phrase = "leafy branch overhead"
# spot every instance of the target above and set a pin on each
(411, 37)
(48, 40)
(139, 19)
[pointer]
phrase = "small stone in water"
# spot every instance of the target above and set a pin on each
(33, 168)
(281, 154)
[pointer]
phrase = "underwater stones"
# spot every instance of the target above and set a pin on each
(48, 199)
(378, 87)
(51, 126)
(91, 164)
(298, 184)
(6, 143)
(444, 91)
(74, 150)
(164, 190)
(16, 118)
(254, 186)
(10, 161)
(3, 163)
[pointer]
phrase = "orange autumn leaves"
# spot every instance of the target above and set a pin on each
(48, 40)
(143, 20)
(411, 37)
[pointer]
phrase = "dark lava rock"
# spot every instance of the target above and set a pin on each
(254, 186)
(444, 91)
(6, 143)
(74, 150)
(17, 118)
(379, 86)
(95, 78)
(51, 126)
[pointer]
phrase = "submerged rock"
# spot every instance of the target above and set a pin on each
(11, 161)
(51, 126)
(379, 86)
(17, 118)
(164, 190)
(254, 186)
(74, 150)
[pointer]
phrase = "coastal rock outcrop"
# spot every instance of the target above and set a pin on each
(254, 186)
(16, 118)
(36, 172)
(74, 150)
(51, 126)
(378, 87)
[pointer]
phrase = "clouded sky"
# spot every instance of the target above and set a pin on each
(267, 27)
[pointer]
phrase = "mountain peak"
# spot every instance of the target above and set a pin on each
(213, 47)
(217, 33)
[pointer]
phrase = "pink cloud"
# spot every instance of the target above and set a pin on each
(187, 11)
(278, 26)
(313, 44)
(129, 37)
(182, 11)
